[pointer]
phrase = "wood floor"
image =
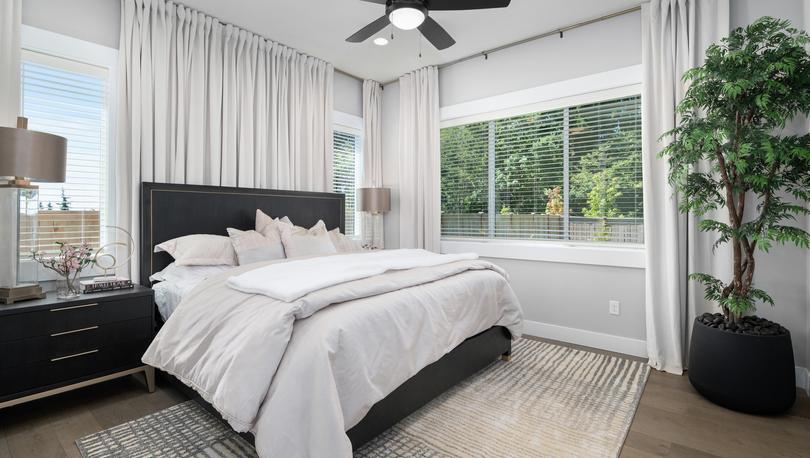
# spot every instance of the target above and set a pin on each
(672, 420)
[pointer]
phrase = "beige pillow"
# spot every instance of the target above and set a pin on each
(299, 242)
(200, 250)
(268, 226)
(343, 243)
(251, 246)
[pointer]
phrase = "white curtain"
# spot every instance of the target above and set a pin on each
(419, 166)
(10, 19)
(202, 102)
(372, 224)
(675, 34)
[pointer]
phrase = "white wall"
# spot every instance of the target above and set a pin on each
(97, 21)
(348, 94)
(785, 271)
(568, 295)
(599, 47)
(807, 264)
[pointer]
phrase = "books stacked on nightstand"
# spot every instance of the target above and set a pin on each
(99, 284)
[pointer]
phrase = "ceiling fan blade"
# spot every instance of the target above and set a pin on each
(379, 2)
(366, 32)
(448, 5)
(436, 34)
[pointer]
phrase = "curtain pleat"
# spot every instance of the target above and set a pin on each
(371, 225)
(202, 102)
(675, 34)
(419, 160)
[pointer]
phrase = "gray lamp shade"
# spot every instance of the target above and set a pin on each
(34, 155)
(375, 200)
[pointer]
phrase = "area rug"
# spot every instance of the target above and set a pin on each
(549, 400)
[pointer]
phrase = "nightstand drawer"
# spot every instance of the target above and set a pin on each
(71, 366)
(65, 318)
(44, 348)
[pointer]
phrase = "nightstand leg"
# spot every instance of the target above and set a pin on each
(149, 372)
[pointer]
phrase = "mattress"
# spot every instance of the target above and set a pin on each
(176, 282)
(168, 295)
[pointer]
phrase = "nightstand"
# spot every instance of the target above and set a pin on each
(49, 346)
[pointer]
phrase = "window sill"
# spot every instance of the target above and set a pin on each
(569, 253)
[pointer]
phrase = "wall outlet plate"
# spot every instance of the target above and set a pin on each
(614, 307)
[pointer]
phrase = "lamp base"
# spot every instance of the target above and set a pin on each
(20, 293)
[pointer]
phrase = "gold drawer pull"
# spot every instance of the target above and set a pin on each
(74, 331)
(73, 356)
(75, 307)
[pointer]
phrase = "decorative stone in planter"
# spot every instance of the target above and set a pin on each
(749, 368)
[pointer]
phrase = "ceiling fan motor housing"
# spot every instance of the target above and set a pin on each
(392, 5)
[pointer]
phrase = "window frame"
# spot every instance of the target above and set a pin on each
(599, 87)
(353, 125)
(60, 46)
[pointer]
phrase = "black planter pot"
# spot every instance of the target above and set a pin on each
(748, 373)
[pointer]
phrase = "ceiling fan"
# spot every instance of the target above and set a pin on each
(412, 14)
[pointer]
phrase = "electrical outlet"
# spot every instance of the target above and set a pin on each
(613, 307)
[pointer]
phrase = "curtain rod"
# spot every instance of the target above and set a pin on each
(559, 31)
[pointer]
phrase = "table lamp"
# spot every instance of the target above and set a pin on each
(25, 156)
(375, 200)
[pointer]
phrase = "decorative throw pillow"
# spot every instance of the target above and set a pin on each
(343, 243)
(306, 242)
(200, 250)
(268, 226)
(251, 246)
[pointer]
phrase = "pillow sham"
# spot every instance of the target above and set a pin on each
(299, 241)
(252, 246)
(344, 243)
(200, 250)
(185, 274)
(269, 226)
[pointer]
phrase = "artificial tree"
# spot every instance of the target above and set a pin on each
(730, 151)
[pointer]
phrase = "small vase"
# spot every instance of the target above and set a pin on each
(68, 287)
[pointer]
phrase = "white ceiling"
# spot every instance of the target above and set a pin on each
(320, 27)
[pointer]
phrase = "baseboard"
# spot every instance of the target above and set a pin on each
(609, 342)
(803, 378)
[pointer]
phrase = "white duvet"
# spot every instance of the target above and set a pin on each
(299, 374)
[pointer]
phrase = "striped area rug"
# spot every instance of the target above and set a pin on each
(549, 400)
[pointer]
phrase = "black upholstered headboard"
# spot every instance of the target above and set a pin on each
(173, 210)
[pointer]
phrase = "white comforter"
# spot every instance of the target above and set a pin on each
(297, 278)
(299, 385)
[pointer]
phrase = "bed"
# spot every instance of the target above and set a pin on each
(169, 211)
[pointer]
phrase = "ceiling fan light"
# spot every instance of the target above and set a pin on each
(380, 41)
(406, 17)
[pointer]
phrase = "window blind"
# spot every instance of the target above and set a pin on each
(344, 174)
(566, 174)
(69, 98)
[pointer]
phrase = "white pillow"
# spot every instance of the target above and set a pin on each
(306, 242)
(268, 226)
(344, 244)
(186, 274)
(251, 246)
(200, 250)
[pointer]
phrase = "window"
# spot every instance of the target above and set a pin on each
(345, 166)
(66, 97)
(570, 174)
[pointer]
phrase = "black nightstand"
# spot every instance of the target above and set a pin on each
(49, 346)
